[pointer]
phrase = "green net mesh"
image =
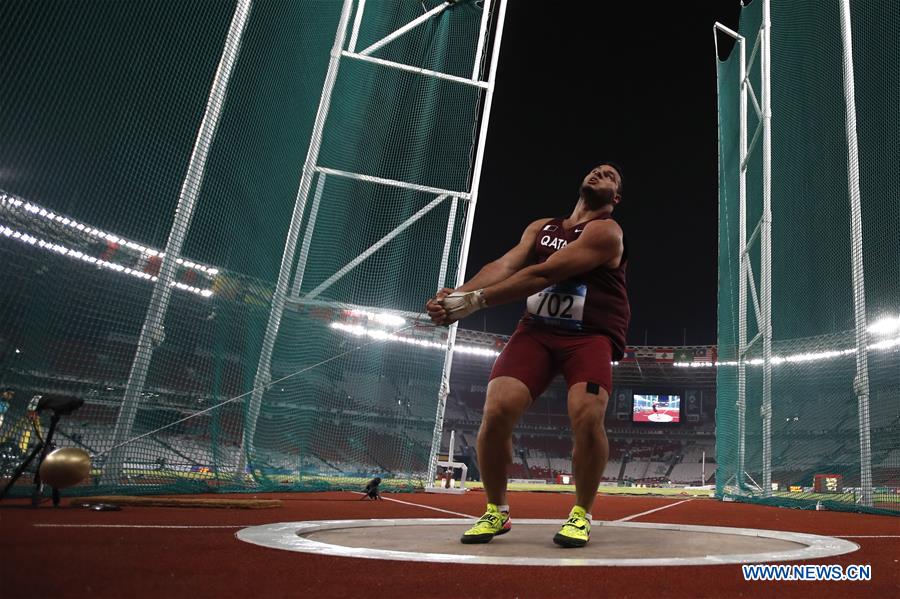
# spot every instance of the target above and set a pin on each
(132, 127)
(818, 451)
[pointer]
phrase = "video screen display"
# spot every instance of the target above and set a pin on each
(656, 409)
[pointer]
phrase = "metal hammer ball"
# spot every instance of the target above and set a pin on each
(65, 467)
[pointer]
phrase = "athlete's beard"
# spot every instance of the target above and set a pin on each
(596, 199)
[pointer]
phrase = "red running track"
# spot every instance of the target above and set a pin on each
(41, 561)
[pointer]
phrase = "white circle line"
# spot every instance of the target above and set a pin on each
(288, 536)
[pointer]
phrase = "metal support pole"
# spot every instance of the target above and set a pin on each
(861, 384)
(742, 279)
(482, 36)
(450, 449)
(766, 250)
(445, 257)
(263, 374)
(703, 468)
(307, 236)
(744, 273)
(152, 331)
(357, 21)
(418, 70)
(467, 236)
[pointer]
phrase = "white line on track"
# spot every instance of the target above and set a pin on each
(868, 536)
(140, 526)
(428, 507)
(665, 507)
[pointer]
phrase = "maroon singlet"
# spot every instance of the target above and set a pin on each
(593, 303)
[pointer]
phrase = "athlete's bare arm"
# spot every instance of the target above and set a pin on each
(509, 263)
(599, 244)
(500, 269)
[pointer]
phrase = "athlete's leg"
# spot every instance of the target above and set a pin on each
(521, 373)
(587, 408)
(507, 400)
(588, 370)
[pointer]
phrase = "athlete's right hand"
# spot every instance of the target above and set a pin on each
(435, 310)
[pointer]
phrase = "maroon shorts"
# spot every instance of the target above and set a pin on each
(535, 355)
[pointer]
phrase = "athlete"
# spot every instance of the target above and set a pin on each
(572, 272)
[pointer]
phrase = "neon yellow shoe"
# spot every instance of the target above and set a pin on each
(576, 531)
(493, 523)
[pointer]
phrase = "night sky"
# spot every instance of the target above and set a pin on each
(634, 83)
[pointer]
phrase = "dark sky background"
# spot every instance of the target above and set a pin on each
(635, 83)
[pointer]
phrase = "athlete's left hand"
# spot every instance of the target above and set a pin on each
(460, 304)
(434, 308)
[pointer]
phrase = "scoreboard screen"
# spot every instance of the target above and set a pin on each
(656, 409)
(828, 483)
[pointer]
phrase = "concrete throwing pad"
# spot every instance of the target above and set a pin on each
(530, 543)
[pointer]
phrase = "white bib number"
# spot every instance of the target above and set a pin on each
(561, 305)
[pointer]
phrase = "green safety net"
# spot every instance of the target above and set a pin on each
(107, 107)
(821, 450)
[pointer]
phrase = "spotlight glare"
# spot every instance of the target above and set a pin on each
(885, 326)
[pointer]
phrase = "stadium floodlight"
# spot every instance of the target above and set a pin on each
(476, 351)
(885, 326)
(380, 318)
(886, 344)
(813, 356)
(15, 203)
(62, 250)
(695, 364)
(382, 335)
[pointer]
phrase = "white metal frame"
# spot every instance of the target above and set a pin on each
(765, 323)
(450, 463)
(861, 384)
(470, 221)
(761, 301)
(375, 247)
(311, 169)
(153, 330)
(762, 304)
